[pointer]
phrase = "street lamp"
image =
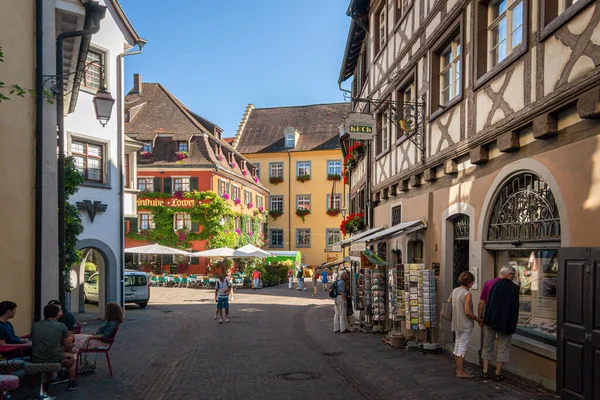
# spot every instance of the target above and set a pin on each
(103, 104)
(344, 212)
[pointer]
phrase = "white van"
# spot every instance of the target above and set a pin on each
(137, 289)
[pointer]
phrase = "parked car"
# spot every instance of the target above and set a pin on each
(137, 289)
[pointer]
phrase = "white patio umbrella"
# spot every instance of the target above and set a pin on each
(220, 252)
(250, 250)
(159, 250)
(156, 249)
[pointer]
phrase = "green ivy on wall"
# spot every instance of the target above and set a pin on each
(207, 213)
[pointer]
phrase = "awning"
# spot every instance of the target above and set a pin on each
(332, 263)
(373, 258)
(347, 242)
(396, 230)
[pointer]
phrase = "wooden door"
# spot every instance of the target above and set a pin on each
(578, 360)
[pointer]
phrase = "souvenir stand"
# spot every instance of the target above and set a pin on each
(420, 298)
(371, 284)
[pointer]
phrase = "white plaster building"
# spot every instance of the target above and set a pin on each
(103, 154)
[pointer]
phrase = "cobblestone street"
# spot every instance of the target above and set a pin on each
(174, 349)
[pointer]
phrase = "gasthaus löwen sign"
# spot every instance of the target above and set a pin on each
(360, 126)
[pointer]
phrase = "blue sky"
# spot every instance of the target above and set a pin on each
(218, 56)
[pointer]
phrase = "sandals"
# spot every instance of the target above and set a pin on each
(485, 376)
(465, 375)
(498, 378)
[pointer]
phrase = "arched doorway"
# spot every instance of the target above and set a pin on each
(460, 246)
(523, 230)
(96, 277)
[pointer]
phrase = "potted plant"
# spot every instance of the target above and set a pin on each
(249, 205)
(302, 212)
(237, 201)
(353, 223)
(275, 214)
(225, 196)
(181, 155)
(275, 180)
(333, 212)
(146, 154)
(334, 177)
(303, 178)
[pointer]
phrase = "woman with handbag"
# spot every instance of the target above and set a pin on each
(463, 319)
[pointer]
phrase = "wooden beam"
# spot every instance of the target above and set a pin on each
(588, 104)
(545, 127)
(429, 175)
(450, 167)
(415, 181)
(508, 142)
(479, 155)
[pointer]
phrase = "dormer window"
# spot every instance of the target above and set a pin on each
(182, 146)
(290, 140)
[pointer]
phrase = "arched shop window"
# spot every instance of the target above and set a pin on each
(460, 249)
(524, 232)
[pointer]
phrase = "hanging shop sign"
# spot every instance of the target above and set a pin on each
(172, 202)
(360, 126)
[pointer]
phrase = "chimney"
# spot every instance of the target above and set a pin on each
(137, 84)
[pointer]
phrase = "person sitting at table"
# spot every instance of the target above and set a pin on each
(113, 317)
(51, 343)
(8, 310)
(67, 316)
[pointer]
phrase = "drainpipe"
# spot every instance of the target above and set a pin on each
(120, 156)
(39, 121)
(290, 199)
(96, 12)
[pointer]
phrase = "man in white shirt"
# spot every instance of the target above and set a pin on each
(222, 289)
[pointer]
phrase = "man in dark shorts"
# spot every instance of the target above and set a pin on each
(222, 289)
(51, 343)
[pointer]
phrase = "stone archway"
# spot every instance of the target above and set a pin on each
(108, 270)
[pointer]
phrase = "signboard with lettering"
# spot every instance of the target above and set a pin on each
(360, 126)
(171, 202)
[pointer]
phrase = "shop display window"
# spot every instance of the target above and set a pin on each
(536, 273)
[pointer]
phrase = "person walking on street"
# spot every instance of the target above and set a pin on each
(462, 320)
(314, 281)
(348, 289)
(256, 278)
(324, 278)
(290, 278)
(300, 277)
(334, 277)
(500, 319)
(339, 319)
(222, 289)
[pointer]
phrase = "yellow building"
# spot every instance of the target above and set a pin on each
(298, 155)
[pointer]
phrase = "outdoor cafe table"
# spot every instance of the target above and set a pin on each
(7, 349)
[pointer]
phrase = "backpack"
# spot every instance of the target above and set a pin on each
(333, 290)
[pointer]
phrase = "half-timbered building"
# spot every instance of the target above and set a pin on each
(487, 131)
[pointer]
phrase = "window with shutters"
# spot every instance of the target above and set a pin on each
(181, 184)
(238, 223)
(260, 201)
(276, 203)
(276, 170)
(223, 187)
(276, 237)
(380, 28)
(235, 192)
(334, 203)
(89, 160)
(249, 226)
(302, 237)
(247, 197)
(182, 221)
(146, 221)
(146, 184)
(396, 215)
(257, 170)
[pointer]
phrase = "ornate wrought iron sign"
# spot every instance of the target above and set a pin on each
(91, 207)
(407, 117)
(524, 210)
